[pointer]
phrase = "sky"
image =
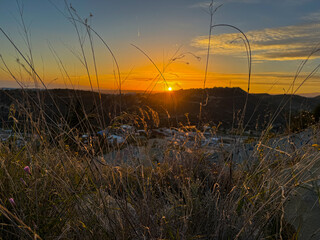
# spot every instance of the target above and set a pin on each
(160, 44)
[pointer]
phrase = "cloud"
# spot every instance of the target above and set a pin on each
(282, 43)
(312, 17)
(206, 4)
(294, 2)
(200, 5)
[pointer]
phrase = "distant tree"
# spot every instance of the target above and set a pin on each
(302, 120)
(76, 116)
(316, 113)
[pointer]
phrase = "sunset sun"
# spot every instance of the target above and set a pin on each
(169, 89)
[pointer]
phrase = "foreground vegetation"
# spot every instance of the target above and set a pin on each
(55, 193)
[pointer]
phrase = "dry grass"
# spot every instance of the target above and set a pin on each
(186, 196)
(68, 192)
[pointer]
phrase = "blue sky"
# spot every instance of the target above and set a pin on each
(281, 33)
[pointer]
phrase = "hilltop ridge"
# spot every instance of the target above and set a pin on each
(223, 105)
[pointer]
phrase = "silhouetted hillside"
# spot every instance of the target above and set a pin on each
(226, 105)
(221, 105)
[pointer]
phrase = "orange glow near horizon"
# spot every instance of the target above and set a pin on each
(274, 83)
(175, 77)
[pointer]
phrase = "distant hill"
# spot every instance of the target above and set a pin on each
(314, 94)
(224, 105)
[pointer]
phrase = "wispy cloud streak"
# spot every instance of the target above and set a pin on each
(283, 43)
(205, 4)
(312, 17)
